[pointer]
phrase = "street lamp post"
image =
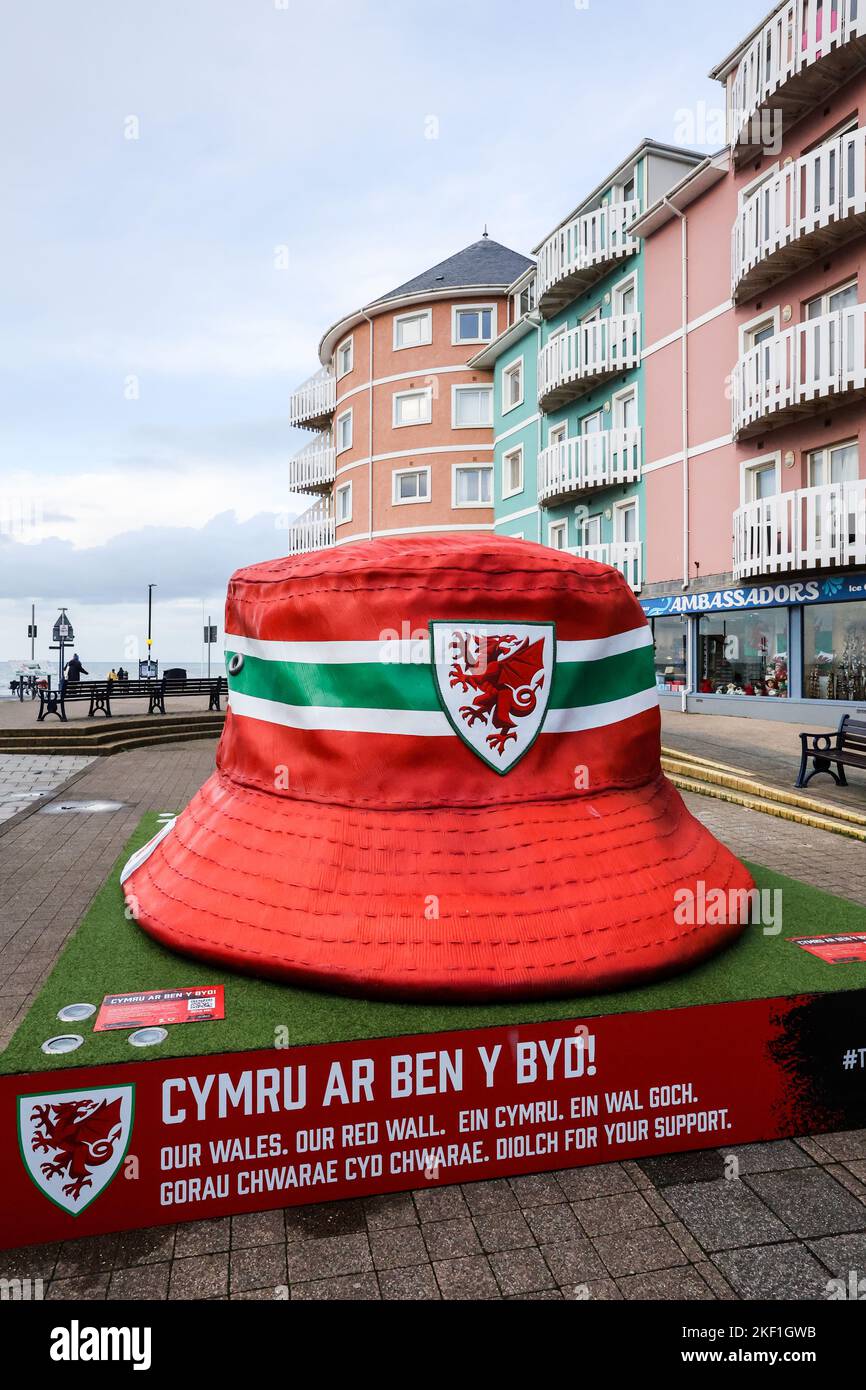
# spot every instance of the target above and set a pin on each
(150, 589)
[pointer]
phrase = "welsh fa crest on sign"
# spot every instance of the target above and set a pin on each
(73, 1142)
(493, 681)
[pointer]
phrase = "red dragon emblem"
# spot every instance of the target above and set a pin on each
(80, 1134)
(507, 672)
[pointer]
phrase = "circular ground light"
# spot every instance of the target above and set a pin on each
(147, 1037)
(74, 1013)
(64, 1042)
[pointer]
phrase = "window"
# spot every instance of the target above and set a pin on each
(472, 407)
(512, 385)
(669, 642)
(343, 431)
(410, 485)
(557, 434)
(839, 337)
(512, 472)
(590, 531)
(744, 653)
(625, 523)
(760, 479)
(412, 407)
(835, 158)
(762, 482)
(592, 424)
(412, 330)
(625, 410)
(625, 298)
(842, 298)
(834, 639)
(344, 503)
(345, 357)
(557, 535)
(474, 323)
(838, 463)
(760, 333)
(524, 300)
(473, 486)
(628, 190)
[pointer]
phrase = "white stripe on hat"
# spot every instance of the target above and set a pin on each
(417, 651)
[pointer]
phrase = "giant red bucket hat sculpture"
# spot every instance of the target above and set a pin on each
(440, 778)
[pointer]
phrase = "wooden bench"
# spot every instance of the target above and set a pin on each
(845, 748)
(101, 694)
(212, 686)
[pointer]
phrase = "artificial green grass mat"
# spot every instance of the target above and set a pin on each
(109, 954)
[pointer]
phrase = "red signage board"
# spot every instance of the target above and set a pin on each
(92, 1149)
(152, 1007)
(836, 950)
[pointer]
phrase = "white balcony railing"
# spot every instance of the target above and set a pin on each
(314, 468)
(625, 556)
(313, 402)
(799, 34)
(314, 530)
(822, 192)
(590, 460)
(584, 246)
(812, 528)
(574, 360)
(811, 361)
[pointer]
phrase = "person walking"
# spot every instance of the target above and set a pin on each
(75, 670)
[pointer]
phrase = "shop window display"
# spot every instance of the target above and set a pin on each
(834, 651)
(669, 638)
(744, 653)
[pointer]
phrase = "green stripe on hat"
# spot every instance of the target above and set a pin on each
(403, 686)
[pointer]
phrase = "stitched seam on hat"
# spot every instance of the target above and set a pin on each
(589, 829)
(582, 933)
(323, 970)
(459, 869)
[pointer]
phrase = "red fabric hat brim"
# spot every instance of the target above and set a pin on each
(541, 898)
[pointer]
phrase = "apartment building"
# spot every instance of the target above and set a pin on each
(568, 400)
(402, 425)
(755, 383)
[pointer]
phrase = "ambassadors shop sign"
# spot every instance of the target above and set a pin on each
(834, 590)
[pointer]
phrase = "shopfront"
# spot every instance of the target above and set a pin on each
(792, 651)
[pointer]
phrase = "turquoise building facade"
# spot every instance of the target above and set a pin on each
(568, 399)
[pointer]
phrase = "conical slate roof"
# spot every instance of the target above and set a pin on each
(485, 262)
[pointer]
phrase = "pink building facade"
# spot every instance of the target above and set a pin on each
(402, 425)
(755, 381)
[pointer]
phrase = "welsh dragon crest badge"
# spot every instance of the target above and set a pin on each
(494, 682)
(73, 1142)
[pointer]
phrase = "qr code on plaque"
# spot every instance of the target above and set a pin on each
(198, 1006)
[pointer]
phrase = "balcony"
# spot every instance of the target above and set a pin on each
(591, 460)
(581, 251)
(314, 530)
(811, 366)
(314, 468)
(625, 556)
(804, 52)
(810, 529)
(312, 404)
(574, 361)
(807, 209)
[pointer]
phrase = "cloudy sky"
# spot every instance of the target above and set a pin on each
(193, 192)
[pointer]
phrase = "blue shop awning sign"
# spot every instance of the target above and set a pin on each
(835, 589)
